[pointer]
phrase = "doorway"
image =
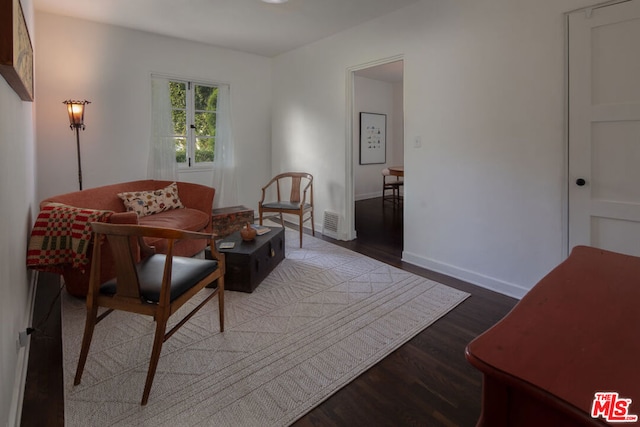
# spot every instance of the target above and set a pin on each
(604, 124)
(378, 90)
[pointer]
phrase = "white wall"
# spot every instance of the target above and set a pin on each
(111, 67)
(376, 96)
(17, 190)
(484, 86)
(396, 150)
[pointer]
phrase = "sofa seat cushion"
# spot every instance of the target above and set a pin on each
(182, 219)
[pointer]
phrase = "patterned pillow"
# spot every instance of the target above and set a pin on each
(150, 202)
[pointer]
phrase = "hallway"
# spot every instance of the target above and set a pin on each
(380, 225)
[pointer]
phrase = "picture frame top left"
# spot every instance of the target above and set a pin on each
(16, 50)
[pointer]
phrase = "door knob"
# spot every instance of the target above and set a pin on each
(580, 182)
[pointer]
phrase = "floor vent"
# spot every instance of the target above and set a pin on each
(330, 224)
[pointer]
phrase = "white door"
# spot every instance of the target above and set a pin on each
(604, 128)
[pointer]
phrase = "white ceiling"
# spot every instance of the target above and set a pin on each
(246, 25)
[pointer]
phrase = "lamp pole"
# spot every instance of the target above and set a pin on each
(79, 162)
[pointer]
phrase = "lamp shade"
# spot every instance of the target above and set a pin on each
(76, 112)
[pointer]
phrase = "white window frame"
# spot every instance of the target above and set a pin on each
(190, 113)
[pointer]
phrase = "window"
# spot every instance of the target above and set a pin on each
(194, 116)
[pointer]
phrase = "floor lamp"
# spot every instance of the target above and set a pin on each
(76, 119)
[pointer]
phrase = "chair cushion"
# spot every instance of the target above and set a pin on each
(285, 205)
(186, 272)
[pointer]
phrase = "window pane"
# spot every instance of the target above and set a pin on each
(205, 124)
(178, 94)
(179, 118)
(181, 149)
(204, 149)
(206, 97)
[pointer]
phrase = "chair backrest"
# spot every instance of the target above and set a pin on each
(300, 182)
(121, 238)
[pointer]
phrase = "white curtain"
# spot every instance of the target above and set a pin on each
(162, 151)
(224, 168)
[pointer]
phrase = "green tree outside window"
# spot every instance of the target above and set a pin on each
(194, 121)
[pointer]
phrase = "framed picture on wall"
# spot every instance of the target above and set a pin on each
(16, 51)
(373, 138)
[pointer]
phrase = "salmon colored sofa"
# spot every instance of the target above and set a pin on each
(195, 216)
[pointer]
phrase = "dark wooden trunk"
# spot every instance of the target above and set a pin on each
(248, 263)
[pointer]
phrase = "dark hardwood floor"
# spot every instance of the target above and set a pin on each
(426, 382)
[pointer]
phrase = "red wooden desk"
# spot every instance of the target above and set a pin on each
(577, 332)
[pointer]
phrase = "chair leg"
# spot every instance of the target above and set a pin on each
(313, 226)
(158, 340)
(384, 187)
(301, 230)
(221, 302)
(89, 326)
(282, 220)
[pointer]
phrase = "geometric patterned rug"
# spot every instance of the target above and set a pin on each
(321, 318)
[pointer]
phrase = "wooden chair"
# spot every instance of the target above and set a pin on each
(298, 203)
(156, 286)
(392, 185)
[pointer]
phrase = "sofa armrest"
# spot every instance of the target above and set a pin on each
(124, 218)
(196, 196)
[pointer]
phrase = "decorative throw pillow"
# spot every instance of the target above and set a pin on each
(154, 201)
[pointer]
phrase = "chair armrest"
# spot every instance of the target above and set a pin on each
(264, 189)
(304, 194)
(148, 231)
(141, 231)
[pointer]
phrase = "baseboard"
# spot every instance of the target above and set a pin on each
(472, 277)
(339, 236)
(22, 363)
(367, 196)
(307, 227)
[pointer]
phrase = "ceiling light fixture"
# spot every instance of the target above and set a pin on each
(275, 1)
